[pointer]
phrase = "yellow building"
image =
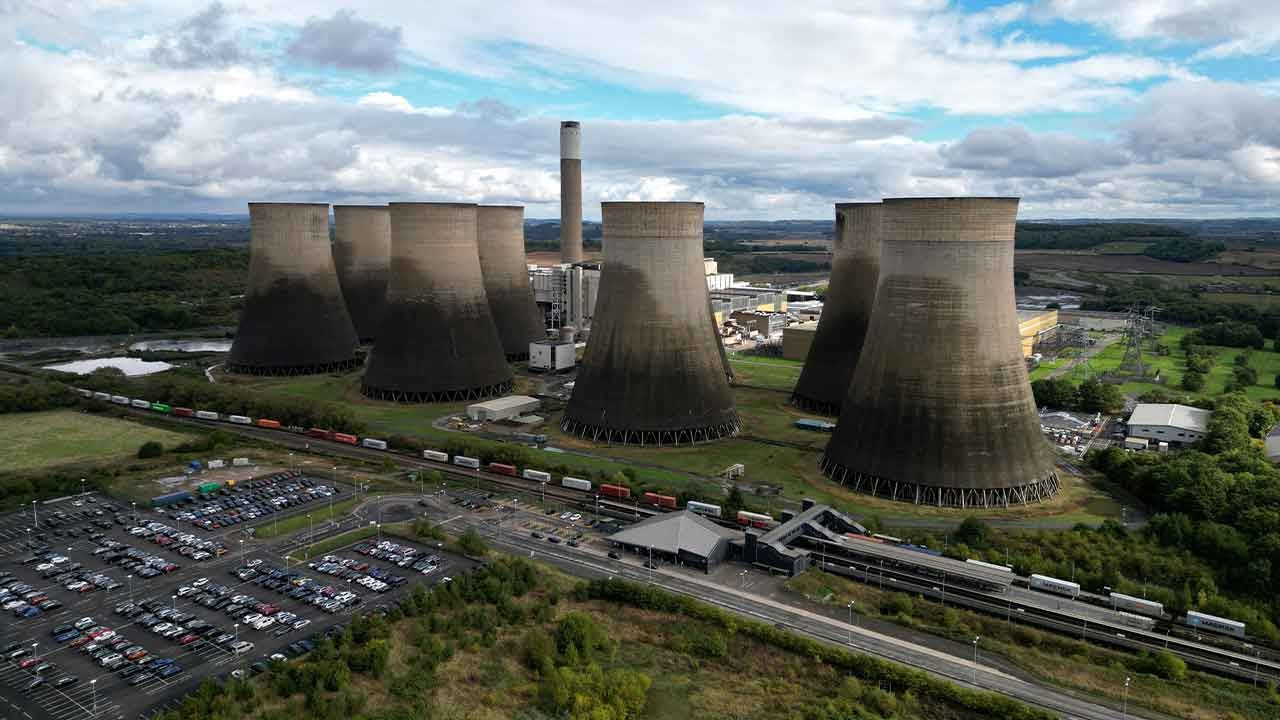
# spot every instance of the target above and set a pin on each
(1033, 325)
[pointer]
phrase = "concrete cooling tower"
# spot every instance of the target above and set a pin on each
(294, 321)
(855, 268)
(939, 410)
(570, 191)
(437, 341)
(652, 374)
(361, 252)
(500, 235)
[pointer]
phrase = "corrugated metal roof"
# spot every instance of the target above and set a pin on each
(1182, 417)
(673, 532)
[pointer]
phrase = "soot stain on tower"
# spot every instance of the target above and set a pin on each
(362, 253)
(940, 409)
(437, 341)
(500, 236)
(294, 321)
(842, 327)
(652, 374)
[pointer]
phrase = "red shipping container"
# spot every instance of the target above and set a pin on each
(616, 491)
(320, 433)
(344, 438)
(667, 501)
(184, 412)
(265, 423)
(651, 498)
(502, 469)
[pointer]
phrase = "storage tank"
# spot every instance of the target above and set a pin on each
(500, 237)
(362, 253)
(437, 341)
(568, 334)
(294, 320)
(570, 191)
(939, 409)
(851, 292)
(652, 374)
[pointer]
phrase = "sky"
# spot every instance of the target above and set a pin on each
(760, 110)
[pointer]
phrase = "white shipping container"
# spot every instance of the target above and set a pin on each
(435, 455)
(575, 483)
(141, 404)
(239, 462)
(464, 461)
(1139, 621)
(102, 396)
(239, 420)
(1054, 585)
(85, 393)
(703, 508)
(989, 566)
(217, 464)
(1136, 604)
(537, 475)
(206, 415)
(119, 399)
(374, 443)
(1215, 623)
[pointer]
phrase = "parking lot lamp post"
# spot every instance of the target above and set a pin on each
(134, 507)
(93, 684)
(175, 602)
(242, 551)
(81, 487)
(35, 653)
(597, 508)
(850, 622)
(311, 529)
(34, 519)
(1124, 707)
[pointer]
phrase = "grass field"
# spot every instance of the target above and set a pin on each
(1121, 247)
(1173, 366)
(298, 522)
(766, 372)
(30, 441)
(1255, 299)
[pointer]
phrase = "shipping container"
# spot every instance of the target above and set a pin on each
(374, 443)
(1137, 621)
(345, 438)
(239, 420)
(703, 508)
(435, 455)
(1214, 623)
(183, 412)
(320, 433)
(464, 461)
(206, 415)
(888, 538)
(1054, 585)
(537, 475)
(615, 491)
(867, 538)
(1150, 608)
(170, 499)
(209, 487)
(649, 498)
(576, 483)
(758, 520)
(141, 404)
(502, 469)
(161, 408)
(990, 566)
(84, 393)
(119, 399)
(269, 424)
(667, 501)
(102, 396)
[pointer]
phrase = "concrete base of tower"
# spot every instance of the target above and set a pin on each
(435, 396)
(817, 407)
(651, 438)
(1032, 492)
(340, 366)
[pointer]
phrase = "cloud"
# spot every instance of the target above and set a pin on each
(345, 41)
(200, 41)
(1229, 27)
(1014, 152)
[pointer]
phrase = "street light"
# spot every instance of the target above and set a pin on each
(850, 606)
(81, 487)
(175, 602)
(93, 684)
(742, 578)
(34, 519)
(1124, 708)
(130, 588)
(976, 638)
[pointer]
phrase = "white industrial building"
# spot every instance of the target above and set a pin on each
(503, 408)
(1177, 425)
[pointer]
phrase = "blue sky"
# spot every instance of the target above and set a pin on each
(1081, 107)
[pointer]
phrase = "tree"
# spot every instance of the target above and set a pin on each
(472, 544)
(1193, 381)
(150, 449)
(1055, 393)
(1245, 376)
(972, 532)
(1096, 396)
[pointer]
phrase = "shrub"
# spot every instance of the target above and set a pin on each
(150, 449)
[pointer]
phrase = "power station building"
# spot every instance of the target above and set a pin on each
(500, 240)
(362, 254)
(834, 350)
(653, 372)
(294, 321)
(939, 409)
(437, 341)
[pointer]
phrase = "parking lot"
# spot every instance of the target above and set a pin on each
(139, 621)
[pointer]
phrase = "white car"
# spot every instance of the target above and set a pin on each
(201, 582)
(242, 647)
(251, 618)
(84, 622)
(159, 629)
(301, 624)
(264, 623)
(566, 515)
(185, 590)
(576, 517)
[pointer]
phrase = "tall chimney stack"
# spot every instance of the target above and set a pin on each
(570, 191)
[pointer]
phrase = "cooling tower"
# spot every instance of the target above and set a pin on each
(437, 341)
(939, 410)
(361, 252)
(294, 320)
(652, 374)
(570, 191)
(500, 236)
(855, 268)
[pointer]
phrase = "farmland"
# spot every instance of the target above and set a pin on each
(32, 441)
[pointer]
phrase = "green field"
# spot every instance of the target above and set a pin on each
(1121, 247)
(294, 523)
(1171, 368)
(1262, 302)
(765, 372)
(30, 441)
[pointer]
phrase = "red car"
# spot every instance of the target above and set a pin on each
(29, 662)
(82, 640)
(187, 639)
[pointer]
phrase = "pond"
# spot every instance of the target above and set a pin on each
(131, 367)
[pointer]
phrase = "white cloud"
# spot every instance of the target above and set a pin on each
(1227, 27)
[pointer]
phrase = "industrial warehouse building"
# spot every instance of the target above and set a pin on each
(773, 550)
(1177, 425)
(683, 538)
(766, 323)
(796, 340)
(503, 408)
(1036, 327)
